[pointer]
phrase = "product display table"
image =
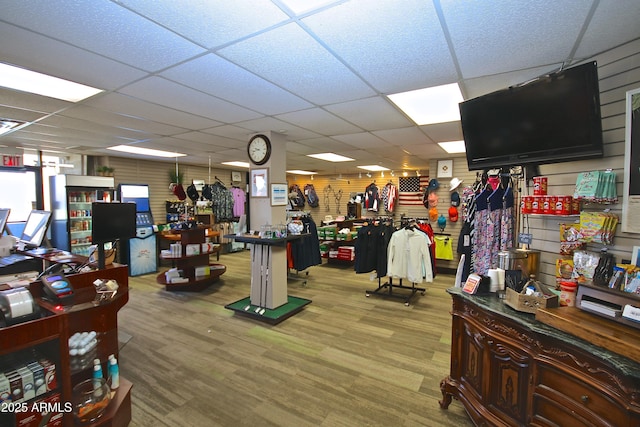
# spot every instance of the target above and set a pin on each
(507, 368)
(191, 265)
(268, 300)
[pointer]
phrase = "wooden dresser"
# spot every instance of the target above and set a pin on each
(508, 369)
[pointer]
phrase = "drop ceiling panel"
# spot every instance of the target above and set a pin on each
(404, 136)
(325, 145)
(217, 76)
(290, 58)
(105, 28)
(491, 37)
(362, 140)
(29, 101)
(207, 138)
(211, 23)
(123, 104)
(599, 35)
(239, 134)
(395, 46)
(441, 132)
(108, 118)
(484, 85)
(78, 65)
(370, 114)
(164, 92)
(19, 114)
(319, 121)
(291, 131)
(94, 130)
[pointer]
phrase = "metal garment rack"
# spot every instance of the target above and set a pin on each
(390, 286)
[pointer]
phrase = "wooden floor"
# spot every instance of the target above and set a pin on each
(344, 360)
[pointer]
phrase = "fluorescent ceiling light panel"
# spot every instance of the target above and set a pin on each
(330, 157)
(453, 147)
(431, 105)
(7, 125)
(41, 84)
(301, 172)
(374, 168)
(132, 149)
(301, 6)
(237, 164)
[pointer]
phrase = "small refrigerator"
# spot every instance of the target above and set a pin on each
(141, 253)
(71, 199)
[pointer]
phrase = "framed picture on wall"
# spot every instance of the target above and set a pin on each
(279, 194)
(445, 169)
(259, 182)
(236, 176)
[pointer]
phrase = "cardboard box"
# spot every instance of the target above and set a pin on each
(28, 387)
(202, 271)
(192, 249)
(50, 377)
(5, 389)
(45, 412)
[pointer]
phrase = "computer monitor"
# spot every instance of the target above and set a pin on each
(4, 216)
(35, 229)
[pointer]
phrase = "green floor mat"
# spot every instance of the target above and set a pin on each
(273, 316)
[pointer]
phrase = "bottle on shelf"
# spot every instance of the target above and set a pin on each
(114, 372)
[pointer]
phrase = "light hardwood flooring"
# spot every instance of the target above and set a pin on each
(344, 360)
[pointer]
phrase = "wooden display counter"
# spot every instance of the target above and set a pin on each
(508, 369)
(48, 337)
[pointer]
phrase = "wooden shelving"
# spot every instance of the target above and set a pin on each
(189, 263)
(49, 335)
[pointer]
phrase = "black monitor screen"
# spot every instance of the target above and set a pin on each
(35, 228)
(4, 216)
(113, 221)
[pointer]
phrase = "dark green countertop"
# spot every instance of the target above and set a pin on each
(493, 304)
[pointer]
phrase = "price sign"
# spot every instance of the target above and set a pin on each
(525, 238)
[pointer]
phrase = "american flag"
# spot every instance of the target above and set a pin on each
(411, 188)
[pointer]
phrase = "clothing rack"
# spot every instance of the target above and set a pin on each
(390, 286)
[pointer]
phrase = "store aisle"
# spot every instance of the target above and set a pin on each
(344, 360)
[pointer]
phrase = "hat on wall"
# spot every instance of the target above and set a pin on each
(455, 199)
(453, 214)
(454, 183)
(442, 222)
(432, 198)
(433, 185)
(433, 214)
(206, 192)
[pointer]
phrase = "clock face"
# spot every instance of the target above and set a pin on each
(259, 149)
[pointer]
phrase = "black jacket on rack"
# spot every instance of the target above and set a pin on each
(306, 251)
(371, 248)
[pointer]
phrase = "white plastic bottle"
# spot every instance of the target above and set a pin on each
(114, 373)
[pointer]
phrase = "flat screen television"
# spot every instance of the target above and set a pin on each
(112, 221)
(35, 229)
(555, 118)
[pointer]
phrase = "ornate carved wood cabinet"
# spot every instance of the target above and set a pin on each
(508, 369)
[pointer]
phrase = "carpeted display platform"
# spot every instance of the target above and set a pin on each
(273, 316)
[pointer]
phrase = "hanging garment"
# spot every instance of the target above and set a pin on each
(444, 247)
(408, 256)
(482, 240)
(239, 199)
(372, 197)
(306, 250)
(426, 227)
(389, 197)
(222, 202)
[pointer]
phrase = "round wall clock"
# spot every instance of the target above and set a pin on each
(259, 149)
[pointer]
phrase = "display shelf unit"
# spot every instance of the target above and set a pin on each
(49, 336)
(509, 369)
(189, 263)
